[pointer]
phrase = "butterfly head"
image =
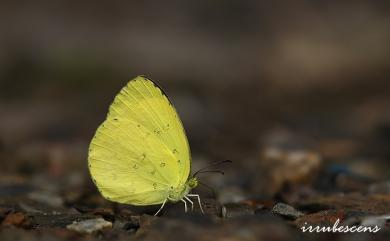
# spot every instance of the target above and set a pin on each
(192, 182)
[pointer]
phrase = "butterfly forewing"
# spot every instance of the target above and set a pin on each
(140, 151)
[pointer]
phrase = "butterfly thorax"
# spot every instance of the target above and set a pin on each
(178, 193)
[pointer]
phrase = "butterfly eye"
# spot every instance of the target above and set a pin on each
(193, 182)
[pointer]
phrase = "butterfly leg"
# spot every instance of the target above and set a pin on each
(192, 203)
(185, 205)
(162, 206)
(198, 197)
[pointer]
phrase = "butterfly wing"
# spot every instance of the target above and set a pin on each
(141, 151)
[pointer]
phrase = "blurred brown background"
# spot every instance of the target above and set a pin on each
(256, 82)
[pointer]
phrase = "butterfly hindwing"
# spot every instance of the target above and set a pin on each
(140, 152)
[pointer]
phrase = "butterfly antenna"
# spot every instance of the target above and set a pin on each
(210, 171)
(203, 170)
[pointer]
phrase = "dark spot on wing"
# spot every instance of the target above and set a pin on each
(157, 132)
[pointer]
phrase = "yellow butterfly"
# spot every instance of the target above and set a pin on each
(140, 153)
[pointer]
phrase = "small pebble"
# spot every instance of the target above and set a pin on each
(89, 226)
(17, 219)
(372, 221)
(286, 211)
